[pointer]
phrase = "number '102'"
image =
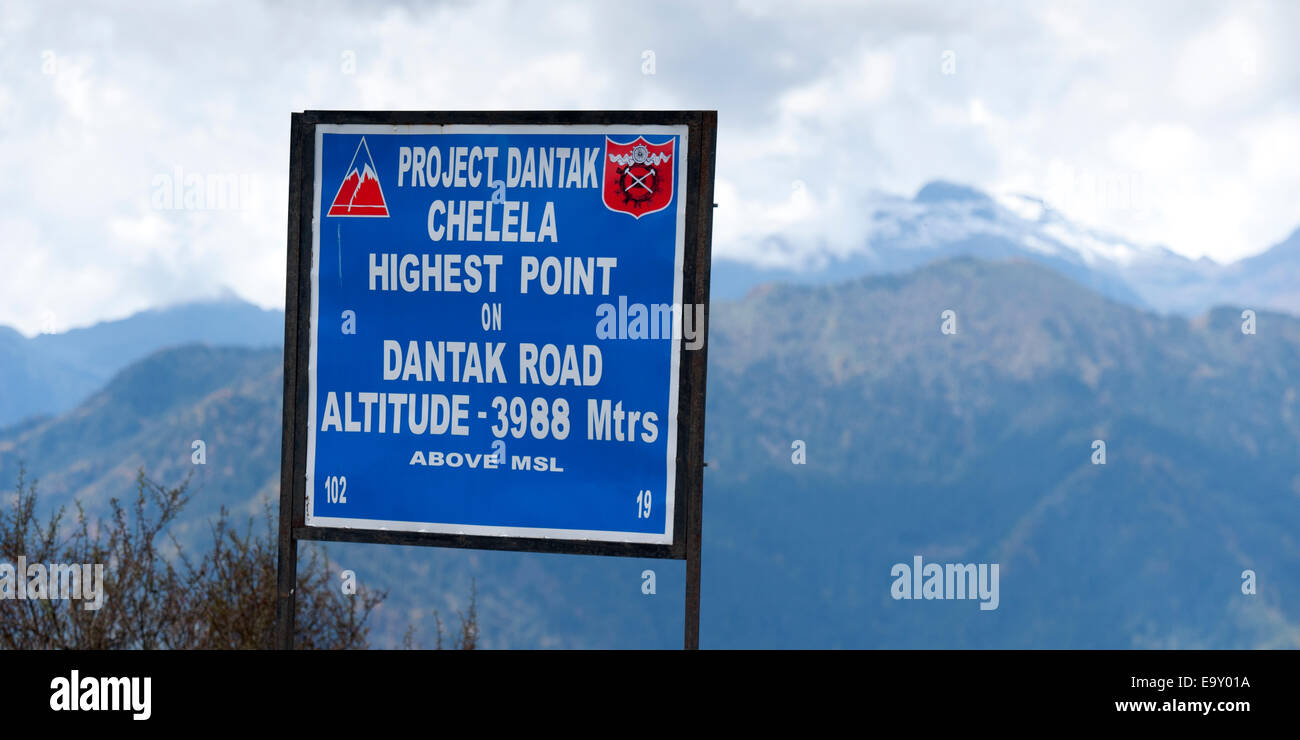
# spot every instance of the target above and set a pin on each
(336, 489)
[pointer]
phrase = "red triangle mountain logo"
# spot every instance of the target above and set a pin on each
(360, 194)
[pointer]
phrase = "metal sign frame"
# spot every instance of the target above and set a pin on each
(688, 510)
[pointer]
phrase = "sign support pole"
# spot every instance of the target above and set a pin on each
(296, 300)
(286, 600)
(692, 631)
(698, 274)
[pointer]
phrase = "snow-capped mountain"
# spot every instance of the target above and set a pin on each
(360, 194)
(946, 220)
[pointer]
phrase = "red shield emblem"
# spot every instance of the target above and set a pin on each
(639, 176)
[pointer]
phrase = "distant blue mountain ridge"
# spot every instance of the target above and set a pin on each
(51, 373)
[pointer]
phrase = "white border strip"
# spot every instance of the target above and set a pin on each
(680, 130)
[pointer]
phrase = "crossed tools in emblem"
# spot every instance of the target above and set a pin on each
(650, 172)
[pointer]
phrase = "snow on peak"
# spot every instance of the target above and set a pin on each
(1026, 207)
(944, 213)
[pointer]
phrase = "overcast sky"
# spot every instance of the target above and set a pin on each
(1174, 123)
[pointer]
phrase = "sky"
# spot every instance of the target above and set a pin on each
(1174, 123)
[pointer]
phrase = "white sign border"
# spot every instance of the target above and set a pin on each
(666, 538)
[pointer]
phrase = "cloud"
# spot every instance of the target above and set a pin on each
(1191, 106)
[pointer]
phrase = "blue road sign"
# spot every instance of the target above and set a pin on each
(497, 328)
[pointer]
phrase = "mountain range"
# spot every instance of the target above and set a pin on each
(947, 220)
(51, 373)
(976, 446)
